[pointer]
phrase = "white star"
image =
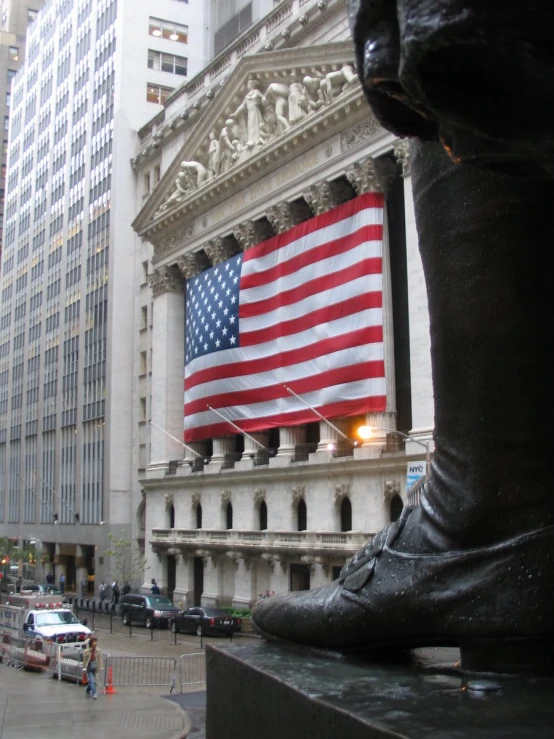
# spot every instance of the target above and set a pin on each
(205, 347)
(232, 340)
(226, 310)
(232, 319)
(217, 343)
(211, 334)
(224, 332)
(233, 299)
(218, 324)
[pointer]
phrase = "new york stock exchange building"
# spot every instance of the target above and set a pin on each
(282, 332)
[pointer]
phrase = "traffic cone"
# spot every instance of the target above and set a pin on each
(109, 683)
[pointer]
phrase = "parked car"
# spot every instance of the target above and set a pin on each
(150, 610)
(204, 621)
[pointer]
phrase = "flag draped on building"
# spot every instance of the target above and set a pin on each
(302, 309)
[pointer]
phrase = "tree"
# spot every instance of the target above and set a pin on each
(128, 561)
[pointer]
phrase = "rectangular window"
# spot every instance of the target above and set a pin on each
(157, 93)
(13, 54)
(8, 99)
(167, 62)
(143, 317)
(6, 122)
(157, 174)
(31, 15)
(147, 184)
(168, 30)
(11, 75)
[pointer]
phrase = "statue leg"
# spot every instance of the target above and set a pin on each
(472, 566)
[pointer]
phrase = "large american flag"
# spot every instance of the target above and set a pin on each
(302, 309)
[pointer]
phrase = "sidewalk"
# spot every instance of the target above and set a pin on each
(33, 705)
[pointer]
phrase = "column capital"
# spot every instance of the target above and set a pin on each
(189, 265)
(320, 198)
(370, 175)
(217, 250)
(166, 280)
(282, 217)
(249, 234)
(402, 154)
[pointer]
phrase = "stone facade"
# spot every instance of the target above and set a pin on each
(299, 140)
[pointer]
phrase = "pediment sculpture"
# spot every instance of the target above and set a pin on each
(261, 117)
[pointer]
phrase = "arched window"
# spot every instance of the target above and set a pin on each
(346, 515)
(396, 506)
(199, 516)
(302, 515)
(263, 516)
(229, 516)
(172, 517)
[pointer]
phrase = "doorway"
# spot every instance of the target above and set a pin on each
(198, 580)
(299, 577)
(171, 575)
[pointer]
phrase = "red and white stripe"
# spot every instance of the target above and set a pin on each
(310, 311)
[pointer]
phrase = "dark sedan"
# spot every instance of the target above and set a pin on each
(205, 621)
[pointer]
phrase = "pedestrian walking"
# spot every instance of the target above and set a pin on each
(92, 664)
(49, 578)
(102, 591)
(83, 587)
(155, 588)
(126, 588)
(62, 583)
(18, 583)
(115, 592)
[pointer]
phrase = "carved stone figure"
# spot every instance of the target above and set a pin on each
(252, 108)
(227, 147)
(298, 102)
(472, 565)
(214, 155)
(314, 93)
(191, 176)
(336, 82)
(277, 94)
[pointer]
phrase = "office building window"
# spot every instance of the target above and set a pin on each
(11, 75)
(169, 30)
(8, 99)
(13, 53)
(157, 93)
(31, 15)
(6, 122)
(167, 62)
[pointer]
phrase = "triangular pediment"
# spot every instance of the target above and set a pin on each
(268, 104)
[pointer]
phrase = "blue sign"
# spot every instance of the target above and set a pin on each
(416, 470)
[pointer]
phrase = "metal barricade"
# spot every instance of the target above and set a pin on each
(24, 653)
(192, 669)
(66, 663)
(142, 671)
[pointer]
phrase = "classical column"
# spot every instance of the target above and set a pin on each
(420, 343)
(289, 438)
(222, 445)
(377, 175)
(81, 570)
(168, 352)
(183, 592)
(244, 594)
(283, 217)
(251, 448)
(60, 561)
(210, 596)
(322, 197)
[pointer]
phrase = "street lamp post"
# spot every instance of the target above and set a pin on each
(367, 432)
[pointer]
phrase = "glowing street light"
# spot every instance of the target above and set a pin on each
(368, 432)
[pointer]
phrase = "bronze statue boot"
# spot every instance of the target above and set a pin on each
(495, 603)
(473, 565)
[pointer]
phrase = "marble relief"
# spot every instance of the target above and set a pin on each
(262, 116)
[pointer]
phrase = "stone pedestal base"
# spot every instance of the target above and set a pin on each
(262, 690)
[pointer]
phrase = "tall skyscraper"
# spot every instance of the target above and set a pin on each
(95, 71)
(15, 16)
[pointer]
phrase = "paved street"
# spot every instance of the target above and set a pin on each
(62, 711)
